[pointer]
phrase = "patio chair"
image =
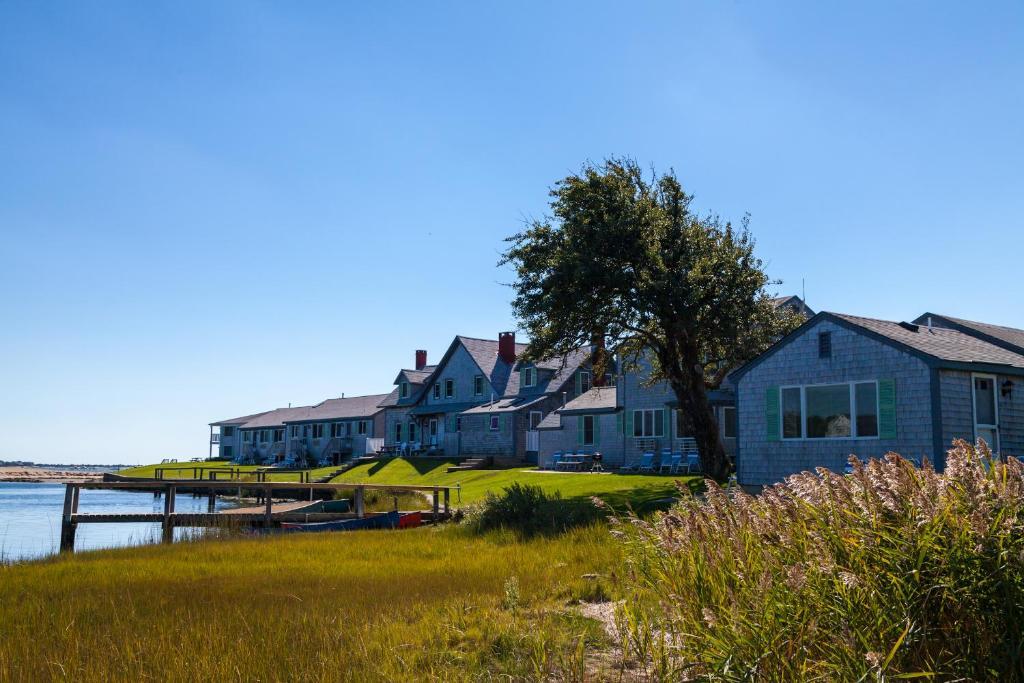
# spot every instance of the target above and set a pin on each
(665, 461)
(693, 463)
(673, 464)
(646, 463)
(556, 460)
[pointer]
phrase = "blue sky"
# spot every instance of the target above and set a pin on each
(210, 209)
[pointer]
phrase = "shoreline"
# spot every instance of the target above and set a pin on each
(40, 475)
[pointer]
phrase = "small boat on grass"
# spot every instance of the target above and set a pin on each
(386, 520)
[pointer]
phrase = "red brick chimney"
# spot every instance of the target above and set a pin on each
(507, 347)
(421, 359)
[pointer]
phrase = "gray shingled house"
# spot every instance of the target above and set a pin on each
(592, 422)
(336, 429)
(841, 384)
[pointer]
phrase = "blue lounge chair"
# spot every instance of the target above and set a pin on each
(646, 463)
(556, 460)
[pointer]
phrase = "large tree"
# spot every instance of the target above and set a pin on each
(622, 255)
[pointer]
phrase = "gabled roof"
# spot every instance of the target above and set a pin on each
(390, 399)
(938, 347)
(354, 407)
(794, 302)
(415, 376)
(485, 355)
(560, 370)
(1009, 338)
(237, 421)
(598, 399)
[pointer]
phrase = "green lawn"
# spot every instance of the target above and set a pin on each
(641, 491)
(149, 471)
(429, 604)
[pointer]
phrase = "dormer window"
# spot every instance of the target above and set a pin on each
(530, 377)
(403, 390)
(437, 391)
(478, 385)
(584, 381)
(449, 388)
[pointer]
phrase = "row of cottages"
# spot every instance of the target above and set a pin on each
(328, 432)
(631, 415)
(481, 400)
(843, 384)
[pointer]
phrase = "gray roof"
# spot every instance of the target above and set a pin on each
(485, 354)
(551, 421)
(598, 399)
(276, 418)
(561, 371)
(390, 399)
(354, 407)
(505, 405)
(441, 408)
(938, 342)
(794, 302)
(1009, 338)
(237, 421)
(415, 376)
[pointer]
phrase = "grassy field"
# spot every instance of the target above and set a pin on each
(640, 491)
(149, 471)
(423, 604)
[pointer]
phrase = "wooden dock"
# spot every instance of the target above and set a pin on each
(264, 516)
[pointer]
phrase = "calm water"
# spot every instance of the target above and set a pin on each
(30, 518)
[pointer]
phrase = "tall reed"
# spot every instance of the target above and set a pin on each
(891, 571)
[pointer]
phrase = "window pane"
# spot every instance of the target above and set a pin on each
(984, 401)
(791, 413)
(867, 409)
(729, 417)
(588, 430)
(828, 411)
(638, 423)
(648, 423)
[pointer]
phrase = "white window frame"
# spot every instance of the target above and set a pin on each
(654, 423)
(360, 428)
(449, 383)
(273, 436)
(540, 417)
(588, 384)
(529, 377)
(403, 390)
(478, 385)
(433, 426)
(318, 430)
(852, 386)
(246, 437)
(437, 391)
(974, 407)
(495, 424)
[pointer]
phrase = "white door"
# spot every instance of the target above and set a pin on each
(986, 410)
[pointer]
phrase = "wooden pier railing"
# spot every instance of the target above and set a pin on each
(169, 519)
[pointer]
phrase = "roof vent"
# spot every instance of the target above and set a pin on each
(910, 326)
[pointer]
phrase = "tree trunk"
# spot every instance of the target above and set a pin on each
(692, 398)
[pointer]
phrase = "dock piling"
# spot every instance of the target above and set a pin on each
(359, 502)
(168, 523)
(67, 525)
(435, 504)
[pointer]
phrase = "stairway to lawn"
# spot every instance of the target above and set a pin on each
(642, 492)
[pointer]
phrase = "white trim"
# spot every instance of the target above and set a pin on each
(479, 378)
(532, 374)
(995, 408)
(593, 429)
(852, 386)
(539, 420)
(653, 434)
(494, 424)
(446, 394)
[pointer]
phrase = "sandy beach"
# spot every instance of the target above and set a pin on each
(39, 474)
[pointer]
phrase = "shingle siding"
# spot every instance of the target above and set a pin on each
(566, 438)
(958, 411)
(854, 357)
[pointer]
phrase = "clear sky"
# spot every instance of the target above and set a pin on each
(209, 209)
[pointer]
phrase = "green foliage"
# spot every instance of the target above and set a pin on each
(624, 255)
(529, 510)
(889, 572)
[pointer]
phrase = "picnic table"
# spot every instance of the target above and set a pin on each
(576, 462)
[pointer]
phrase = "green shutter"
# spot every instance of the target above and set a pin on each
(504, 422)
(668, 423)
(579, 430)
(620, 423)
(771, 413)
(887, 409)
(629, 423)
(597, 430)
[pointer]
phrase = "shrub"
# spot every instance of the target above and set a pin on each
(890, 570)
(529, 510)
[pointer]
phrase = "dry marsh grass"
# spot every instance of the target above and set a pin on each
(891, 572)
(425, 604)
